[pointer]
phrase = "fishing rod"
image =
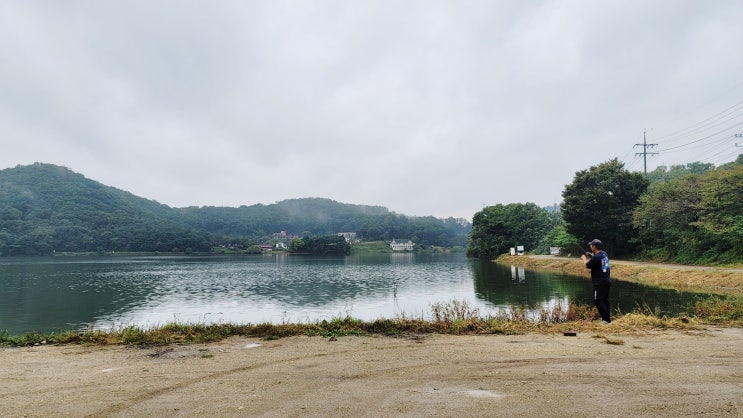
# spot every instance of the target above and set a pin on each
(588, 253)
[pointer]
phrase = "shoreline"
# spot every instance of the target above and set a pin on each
(698, 279)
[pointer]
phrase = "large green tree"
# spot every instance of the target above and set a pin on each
(325, 245)
(599, 203)
(694, 219)
(666, 219)
(497, 228)
(721, 210)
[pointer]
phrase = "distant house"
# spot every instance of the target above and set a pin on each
(281, 236)
(401, 245)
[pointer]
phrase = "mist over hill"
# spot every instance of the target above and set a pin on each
(45, 208)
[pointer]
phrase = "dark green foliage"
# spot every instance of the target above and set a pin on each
(721, 210)
(325, 245)
(663, 173)
(46, 209)
(497, 228)
(318, 216)
(599, 204)
(697, 218)
(558, 236)
(666, 217)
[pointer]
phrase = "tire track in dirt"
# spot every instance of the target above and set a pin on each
(120, 407)
(330, 381)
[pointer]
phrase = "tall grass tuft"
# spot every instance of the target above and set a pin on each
(453, 311)
(719, 310)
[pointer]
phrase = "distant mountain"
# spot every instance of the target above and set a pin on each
(312, 215)
(46, 208)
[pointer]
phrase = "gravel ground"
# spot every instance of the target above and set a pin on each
(665, 373)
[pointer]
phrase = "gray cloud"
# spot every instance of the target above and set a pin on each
(426, 107)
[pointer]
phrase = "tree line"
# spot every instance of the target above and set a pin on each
(690, 214)
(47, 209)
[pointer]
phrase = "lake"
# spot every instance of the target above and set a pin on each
(80, 293)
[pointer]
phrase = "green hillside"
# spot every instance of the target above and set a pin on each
(47, 209)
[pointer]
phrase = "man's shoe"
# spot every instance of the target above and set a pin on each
(605, 323)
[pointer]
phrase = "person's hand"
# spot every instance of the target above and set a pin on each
(583, 258)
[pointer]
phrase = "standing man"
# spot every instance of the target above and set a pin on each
(601, 278)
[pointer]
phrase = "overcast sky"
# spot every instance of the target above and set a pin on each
(424, 107)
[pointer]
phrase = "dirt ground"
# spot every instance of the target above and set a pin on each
(663, 373)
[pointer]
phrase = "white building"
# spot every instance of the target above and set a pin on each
(401, 245)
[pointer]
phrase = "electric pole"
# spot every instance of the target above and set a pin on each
(645, 152)
(738, 136)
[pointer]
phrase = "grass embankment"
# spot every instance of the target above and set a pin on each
(456, 317)
(370, 247)
(697, 279)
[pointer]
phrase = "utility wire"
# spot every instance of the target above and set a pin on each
(703, 138)
(713, 156)
(720, 141)
(709, 122)
(708, 142)
(703, 105)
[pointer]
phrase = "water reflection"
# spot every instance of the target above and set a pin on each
(506, 286)
(54, 294)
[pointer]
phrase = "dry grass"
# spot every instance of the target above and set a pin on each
(715, 280)
(454, 317)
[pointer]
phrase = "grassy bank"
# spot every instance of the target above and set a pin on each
(713, 280)
(370, 247)
(454, 317)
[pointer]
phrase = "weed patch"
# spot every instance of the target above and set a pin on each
(454, 317)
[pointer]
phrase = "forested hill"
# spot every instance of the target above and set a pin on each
(315, 215)
(46, 208)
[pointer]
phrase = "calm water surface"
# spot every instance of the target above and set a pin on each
(101, 293)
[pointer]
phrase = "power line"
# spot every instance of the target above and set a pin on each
(711, 157)
(703, 138)
(696, 137)
(720, 141)
(718, 151)
(707, 123)
(728, 91)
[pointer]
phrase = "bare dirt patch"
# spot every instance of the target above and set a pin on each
(668, 373)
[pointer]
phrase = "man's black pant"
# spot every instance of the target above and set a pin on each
(601, 300)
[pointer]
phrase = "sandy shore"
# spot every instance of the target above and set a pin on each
(663, 373)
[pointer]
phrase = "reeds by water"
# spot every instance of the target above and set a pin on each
(453, 317)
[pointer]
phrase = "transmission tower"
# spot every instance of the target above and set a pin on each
(738, 136)
(645, 152)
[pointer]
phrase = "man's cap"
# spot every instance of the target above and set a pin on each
(596, 242)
